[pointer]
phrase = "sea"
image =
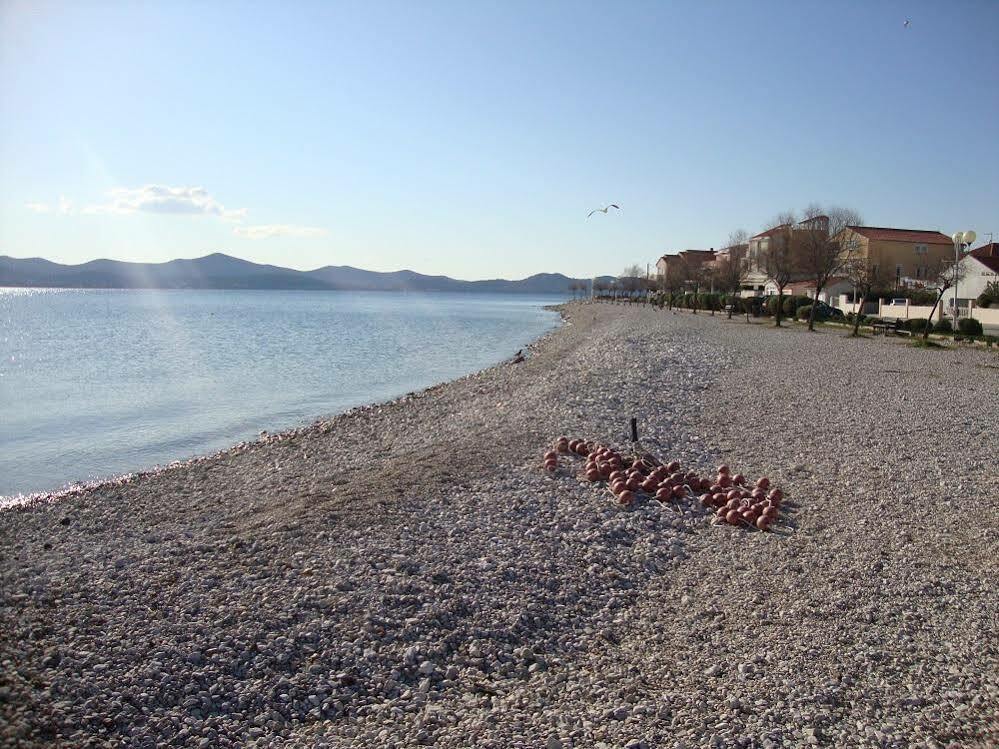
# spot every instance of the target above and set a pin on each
(96, 383)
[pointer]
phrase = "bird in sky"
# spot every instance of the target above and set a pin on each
(603, 210)
(906, 24)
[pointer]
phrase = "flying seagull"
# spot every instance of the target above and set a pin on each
(906, 24)
(603, 210)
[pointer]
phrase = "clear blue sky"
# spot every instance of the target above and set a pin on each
(472, 138)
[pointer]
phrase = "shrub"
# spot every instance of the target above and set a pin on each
(917, 324)
(804, 311)
(942, 326)
(791, 304)
(772, 305)
(990, 296)
(970, 326)
(740, 306)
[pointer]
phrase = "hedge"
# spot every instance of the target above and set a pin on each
(970, 326)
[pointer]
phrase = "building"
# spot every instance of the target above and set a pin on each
(986, 250)
(756, 280)
(682, 265)
(902, 257)
(830, 292)
(977, 270)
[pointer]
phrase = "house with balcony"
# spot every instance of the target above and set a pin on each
(756, 281)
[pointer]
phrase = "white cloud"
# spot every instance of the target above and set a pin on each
(64, 206)
(190, 201)
(164, 199)
(266, 231)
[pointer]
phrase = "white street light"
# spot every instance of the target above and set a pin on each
(961, 239)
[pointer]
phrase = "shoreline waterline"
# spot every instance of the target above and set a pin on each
(320, 423)
(94, 386)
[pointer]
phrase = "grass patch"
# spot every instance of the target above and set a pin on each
(925, 343)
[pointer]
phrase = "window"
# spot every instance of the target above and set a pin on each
(920, 249)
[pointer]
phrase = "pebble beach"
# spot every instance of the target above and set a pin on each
(406, 574)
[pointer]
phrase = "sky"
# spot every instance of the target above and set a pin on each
(472, 138)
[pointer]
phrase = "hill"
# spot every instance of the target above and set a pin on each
(220, 271)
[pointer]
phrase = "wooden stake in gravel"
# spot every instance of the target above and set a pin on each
(634, 429)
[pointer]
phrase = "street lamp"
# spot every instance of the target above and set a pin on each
(960, 239)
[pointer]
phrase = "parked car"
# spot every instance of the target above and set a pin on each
(897, 303)
(828, 312)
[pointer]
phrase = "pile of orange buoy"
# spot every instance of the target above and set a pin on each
(734, 499)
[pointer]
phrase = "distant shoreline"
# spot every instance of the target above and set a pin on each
(223, 273)
(234, 288)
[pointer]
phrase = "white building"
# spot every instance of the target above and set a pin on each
(979, 268)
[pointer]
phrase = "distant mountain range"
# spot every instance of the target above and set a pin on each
(220, 271)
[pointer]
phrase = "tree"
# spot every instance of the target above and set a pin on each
(672, 281)
(824, 249)
(777, 258)
(631, 279)
(990, 296)
(731, 269)
(945, 276)
(865, 278)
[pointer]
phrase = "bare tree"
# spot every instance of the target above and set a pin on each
(778, 257)
(631, 278)
(945, 276)
(731, 269)
(822, 251)
(672, 282)
(866, 278)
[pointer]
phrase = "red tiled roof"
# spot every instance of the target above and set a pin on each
(695, 255)
(917, 236)
(769, 232)
(992, 263)
(986, 250)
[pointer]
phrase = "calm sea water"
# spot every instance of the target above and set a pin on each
(95, 383)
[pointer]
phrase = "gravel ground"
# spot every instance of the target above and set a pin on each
(406, 575)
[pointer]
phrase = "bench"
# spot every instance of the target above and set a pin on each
(887, 327)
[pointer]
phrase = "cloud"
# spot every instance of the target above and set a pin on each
(267, 231)
(176, 201)
(64, 206)
(165, 200)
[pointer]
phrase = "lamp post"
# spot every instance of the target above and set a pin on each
(960, 239)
